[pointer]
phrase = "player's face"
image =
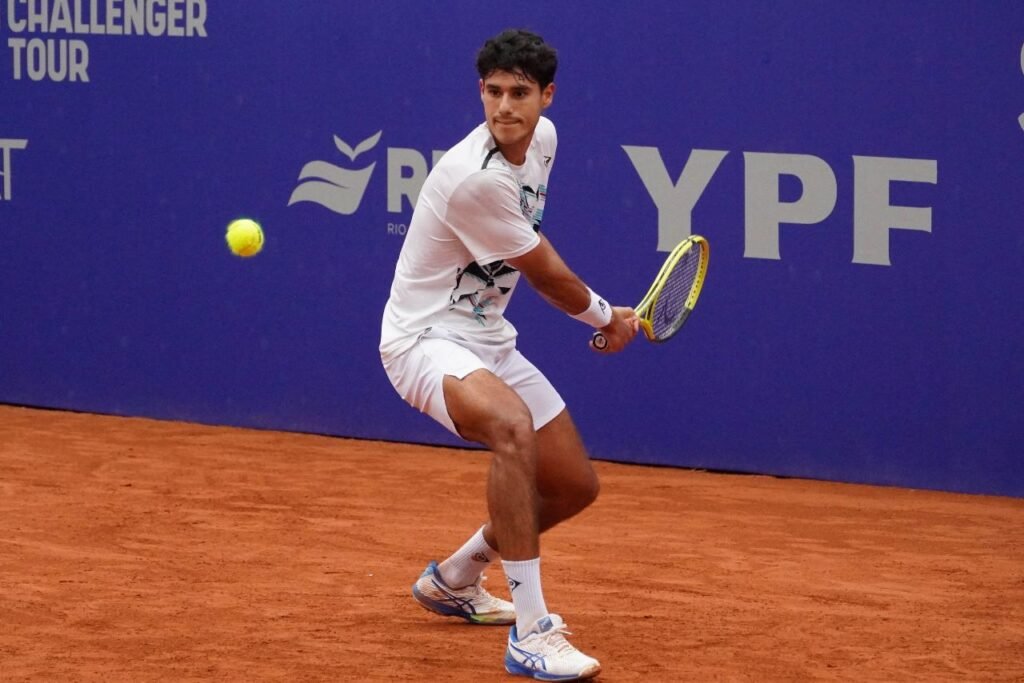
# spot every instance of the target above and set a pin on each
(513, 105)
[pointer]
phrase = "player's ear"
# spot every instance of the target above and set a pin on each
(547, 95)
(481, 89)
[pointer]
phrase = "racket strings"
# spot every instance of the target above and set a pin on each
(670, 308)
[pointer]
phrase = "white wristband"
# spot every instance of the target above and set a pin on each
(598, 313)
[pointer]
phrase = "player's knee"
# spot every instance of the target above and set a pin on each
(512, 433)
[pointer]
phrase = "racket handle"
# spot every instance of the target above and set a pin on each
(599, 341)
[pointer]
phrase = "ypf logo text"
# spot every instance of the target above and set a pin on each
(874, 214)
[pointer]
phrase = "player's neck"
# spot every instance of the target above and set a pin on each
(515, 154)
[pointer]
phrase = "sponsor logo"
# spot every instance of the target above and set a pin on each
(67, 59)
(335, 188)
(341, 189)
(7, 146)
(873, 214)
(513, 584)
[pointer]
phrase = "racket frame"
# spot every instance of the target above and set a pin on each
(645, 309)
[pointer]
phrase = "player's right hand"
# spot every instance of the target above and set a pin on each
(620, 331)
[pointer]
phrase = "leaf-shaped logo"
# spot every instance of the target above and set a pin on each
(367, 144)
(336, 188)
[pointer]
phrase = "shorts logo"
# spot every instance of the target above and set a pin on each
(333, 187)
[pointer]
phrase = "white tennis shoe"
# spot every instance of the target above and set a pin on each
(472, 603)
(543, 653)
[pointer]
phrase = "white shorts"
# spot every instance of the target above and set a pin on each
(418, 375)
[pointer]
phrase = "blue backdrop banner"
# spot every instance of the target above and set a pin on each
(856, 167)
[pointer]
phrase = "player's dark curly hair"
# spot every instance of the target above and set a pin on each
(518, 50)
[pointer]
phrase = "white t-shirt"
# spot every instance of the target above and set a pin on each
(475, 211)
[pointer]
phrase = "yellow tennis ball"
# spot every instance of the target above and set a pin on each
(244, 237)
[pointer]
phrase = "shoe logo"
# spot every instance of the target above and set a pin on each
(333, 187)
(513, 584)
(480, 557)
(544, 625)
(531, 660)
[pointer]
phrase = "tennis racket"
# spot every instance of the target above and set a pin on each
(671, 298)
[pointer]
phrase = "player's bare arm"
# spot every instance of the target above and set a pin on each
(547, 273)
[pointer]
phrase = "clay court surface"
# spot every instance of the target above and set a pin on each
(140, 550)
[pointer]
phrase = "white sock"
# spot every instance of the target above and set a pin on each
(468, 562)
(527, 596)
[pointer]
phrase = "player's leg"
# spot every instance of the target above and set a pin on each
(486, 410)
(478, 405)
(537, 645)
(566, 483)
(453, 588)
(566, 480)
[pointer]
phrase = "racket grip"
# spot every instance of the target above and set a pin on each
(599, 341)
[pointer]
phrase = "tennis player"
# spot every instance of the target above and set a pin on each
(450, 351)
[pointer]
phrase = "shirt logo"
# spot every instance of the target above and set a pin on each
(481, 286)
